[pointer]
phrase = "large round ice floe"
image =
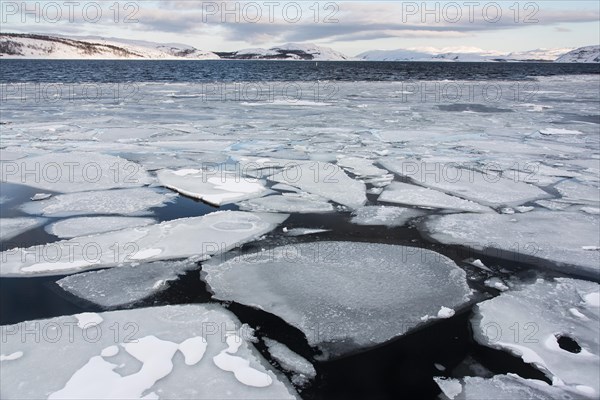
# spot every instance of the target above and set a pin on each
(74, 172)
(11, 227)
(197, 237)
(170, 352)
(532, 321)
(344, 296)
(565, 241)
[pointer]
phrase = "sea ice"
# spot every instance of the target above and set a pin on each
(304, 231)
(559, 131)
(500, 387)
(126, 285)
(85, 226)
(164, 352)
(487, 189)
(528, 237)
(213, 187)
(302, 369)
(529, 322)
(326, 180)
(186, 237)
(384, 215)
(344, 296)
(135, 201)
(288, 203)
(11, 227)
(404, 193)
(574, 192)
(74, 172)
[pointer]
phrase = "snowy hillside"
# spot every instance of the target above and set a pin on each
(588, 54)
(289, 51)
(480, 56)
(59, 47)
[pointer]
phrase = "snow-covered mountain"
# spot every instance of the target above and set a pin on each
(93, 47)
(289, 51)
(545, 55)
(588, 54)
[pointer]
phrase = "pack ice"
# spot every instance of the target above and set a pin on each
(384, 215)
(344, 296)
(135, 201)
(326, 180)
(288, 203)
(74, 172)
(85, 226)
(487, 189)
(529, 237)
(181, 238)
(530, 321)
(11, 227)
(499, 387)
(404, 193)
(170, 352)
(214, 187)
(126, 285)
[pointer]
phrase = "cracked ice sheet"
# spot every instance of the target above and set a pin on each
(85, 226)
(186, 237)
(356, 294)
(288, 203)
(326, 180)
(384, 215)
(174, 345)
(575, 192)
(215, 188)
(537, 237)
(542, 310)
(125, 285)
(500, 387)
(404, 193)
(11, 227)
(74, 172)
(135, 201)
(486, 189)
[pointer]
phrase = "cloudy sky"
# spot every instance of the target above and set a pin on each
(347, 26)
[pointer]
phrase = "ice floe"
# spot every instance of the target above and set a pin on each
(574, 192)
(125, 285)
(384, 215)
(559, 131)
(11, 227)
(528, 237)
(344, 296)
(484, 188)
(74, 172)
(181, 238)
(302, 369)
(499, 387)
(85, 226)
(326, 180)
(404, 193)
(288, 203)
(162, 352)
(135, 201)
(530, 320)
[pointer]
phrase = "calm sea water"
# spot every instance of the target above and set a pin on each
(106, 71)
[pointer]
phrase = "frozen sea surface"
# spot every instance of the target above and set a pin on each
(343, 296)
(163, 352)
(521, 171)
